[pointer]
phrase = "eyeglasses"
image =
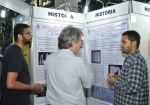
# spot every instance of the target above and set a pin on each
(29, 33)
(81, 41)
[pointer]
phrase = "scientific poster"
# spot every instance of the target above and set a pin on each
(105, 56)
(47, 43)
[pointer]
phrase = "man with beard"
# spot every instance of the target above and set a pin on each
(16, 86)
(131, 85)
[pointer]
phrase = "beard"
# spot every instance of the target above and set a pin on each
(122, 50)
(27, 41)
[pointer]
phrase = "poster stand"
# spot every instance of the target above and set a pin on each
(137, 16)
(47, 25)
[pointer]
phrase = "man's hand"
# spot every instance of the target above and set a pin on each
(37, 87)
(111, 78)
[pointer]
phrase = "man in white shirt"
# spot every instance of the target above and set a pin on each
(66, 74)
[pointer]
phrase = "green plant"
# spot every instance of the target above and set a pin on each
(6, 25)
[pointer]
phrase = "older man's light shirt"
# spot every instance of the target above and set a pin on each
(66, 74)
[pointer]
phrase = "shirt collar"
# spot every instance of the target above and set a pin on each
(68, 51)
(133, 54)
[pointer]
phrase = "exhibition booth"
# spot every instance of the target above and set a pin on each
(104, 29)
(101, 51)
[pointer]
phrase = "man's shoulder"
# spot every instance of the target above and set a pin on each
(12, 49)
(138, 58)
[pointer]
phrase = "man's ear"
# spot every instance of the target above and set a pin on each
(73, 44)
(134, 43)
(19, 36)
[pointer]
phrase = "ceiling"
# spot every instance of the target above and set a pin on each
(57, 4)
(9, 13)
(93, 5)
(78, 4)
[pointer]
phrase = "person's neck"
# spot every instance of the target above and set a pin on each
(133, 51)
(21, 45)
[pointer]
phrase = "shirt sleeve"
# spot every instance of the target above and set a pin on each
(15, 62)
(86, 75)
(134, 79)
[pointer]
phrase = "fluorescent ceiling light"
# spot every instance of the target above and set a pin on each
(3, 13)
(86, 6)
(86, 9)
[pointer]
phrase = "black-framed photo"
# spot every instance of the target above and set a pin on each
(96, 56)
(114, 69)
(42, 57)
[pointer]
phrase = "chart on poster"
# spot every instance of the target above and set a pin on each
(104, 56)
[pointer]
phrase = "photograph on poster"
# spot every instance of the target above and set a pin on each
(42, 57)
(114, 69)
(42, 94)
(95, 56)
(102, 93)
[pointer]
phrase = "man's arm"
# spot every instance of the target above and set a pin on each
(86, 76)
(12, 83)
(133, 81)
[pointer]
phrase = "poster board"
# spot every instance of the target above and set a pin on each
(46, 30)
(104, 41)
(104, 32)
(118, 18)
(138, 19)
(47, 34)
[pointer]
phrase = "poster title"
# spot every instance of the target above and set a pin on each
(60, 15)
(107, 12)
(147, 9)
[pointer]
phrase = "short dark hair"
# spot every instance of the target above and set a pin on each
(19, 29)
(69, 35)
(133, 36)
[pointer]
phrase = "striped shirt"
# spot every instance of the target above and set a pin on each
(131, 87)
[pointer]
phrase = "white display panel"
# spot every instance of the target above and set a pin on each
(141, 8)
(103, 41)
(58, 15)
(109, 12)
(47, 34)
(104, 34)
(46, 42)
(139, 23)
(17, 6)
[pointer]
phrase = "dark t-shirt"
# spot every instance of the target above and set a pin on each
(14, 61)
